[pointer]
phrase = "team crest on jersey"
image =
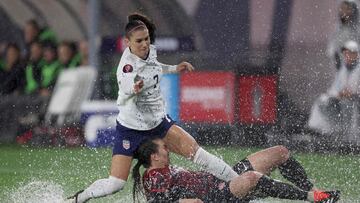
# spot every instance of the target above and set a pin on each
(127, 68)
(126, 144)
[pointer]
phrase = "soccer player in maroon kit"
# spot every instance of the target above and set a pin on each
(163, 182)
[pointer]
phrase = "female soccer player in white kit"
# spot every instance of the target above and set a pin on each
(142, 113)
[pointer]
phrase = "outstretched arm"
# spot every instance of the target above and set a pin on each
(183, 66)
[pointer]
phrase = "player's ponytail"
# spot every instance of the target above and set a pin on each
(136, 20)
(137, 188)
(143, 155)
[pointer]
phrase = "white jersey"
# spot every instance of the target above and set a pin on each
(346, 79)
(145, 110)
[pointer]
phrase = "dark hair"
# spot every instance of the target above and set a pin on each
(34, 24)
(135, 21)
(36, 42)
(12, 45)
(71, 45)
(49, 45)
(143, 155)
(354, 17)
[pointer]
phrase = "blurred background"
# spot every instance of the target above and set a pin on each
(260, 66)
(266, 73)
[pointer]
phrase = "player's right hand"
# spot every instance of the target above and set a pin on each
(184, 66)
(138, 86)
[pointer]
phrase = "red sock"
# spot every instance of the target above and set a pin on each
(320, 195)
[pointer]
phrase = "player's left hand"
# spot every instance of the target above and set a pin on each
(184, 66)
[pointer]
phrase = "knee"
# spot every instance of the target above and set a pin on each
(243, 184)
(189, 150)
(283, 153)
(194, 148)
(116, 184)
(252, 177)
(181, 142)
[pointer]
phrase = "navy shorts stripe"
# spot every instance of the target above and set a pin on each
(128, 140)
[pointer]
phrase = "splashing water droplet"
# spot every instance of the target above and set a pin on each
(37, 192)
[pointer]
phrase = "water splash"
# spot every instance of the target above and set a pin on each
(37, 192)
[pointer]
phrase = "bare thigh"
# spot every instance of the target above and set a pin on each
(265, 161)
(181, 142)
(120, 166)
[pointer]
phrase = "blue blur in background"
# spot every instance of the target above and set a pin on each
(170, 90)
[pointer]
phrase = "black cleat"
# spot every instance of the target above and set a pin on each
(74, 198)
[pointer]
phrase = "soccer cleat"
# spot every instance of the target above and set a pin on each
(326, 196)
(74, 198)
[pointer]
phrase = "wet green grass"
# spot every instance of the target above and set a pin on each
(75, 168)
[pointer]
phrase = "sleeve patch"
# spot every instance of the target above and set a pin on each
(127, 68)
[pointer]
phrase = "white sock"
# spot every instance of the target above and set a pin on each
(102, 187)
(310, 196)
(214, 165)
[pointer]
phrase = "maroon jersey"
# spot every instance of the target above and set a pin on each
(173, 183)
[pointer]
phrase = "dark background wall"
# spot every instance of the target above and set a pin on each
(228, 35)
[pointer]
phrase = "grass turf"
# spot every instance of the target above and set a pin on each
(75, 168)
